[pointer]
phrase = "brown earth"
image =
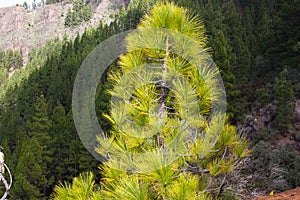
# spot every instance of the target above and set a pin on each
(25, 29)
(287, 195)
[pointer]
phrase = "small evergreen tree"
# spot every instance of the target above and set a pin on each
(35, 174)
(81, 12)
(3, 75)
(25, 5)
(68, 18)
(29, 171)
(285, 101)
(60, 142)
(148, 116)
(83, 187)
(87, 12)
(33, 4)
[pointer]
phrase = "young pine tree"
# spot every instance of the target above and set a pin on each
(285, 100)
(68, 18)
(29, 172)
(163, 144)
(60, 142)
(34, 178)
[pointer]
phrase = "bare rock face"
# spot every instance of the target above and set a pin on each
(25, 29)
(297, 108)
(255, 122)
(264, 118)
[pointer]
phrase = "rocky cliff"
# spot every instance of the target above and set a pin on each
(25, 29)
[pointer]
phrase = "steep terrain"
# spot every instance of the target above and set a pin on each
(259, 60)
(25, 29)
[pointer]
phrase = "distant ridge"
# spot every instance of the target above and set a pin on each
(27, 29)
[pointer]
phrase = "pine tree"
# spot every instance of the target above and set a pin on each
(226, 59)
(83, 187)
(60, 142)
(77, 5)
(285, 98)
(249, 34)
(33, 4)
(81, 12)
(52, 1)
(238, 40)
(29, 172)
(25, 5)
(130, 18)
(3, 75)
(285, 17)
(223, 53)
(39, 127)
(151, 119)
(68, 18)
(87, 12)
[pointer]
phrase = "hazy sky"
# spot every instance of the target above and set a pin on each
(5, 3)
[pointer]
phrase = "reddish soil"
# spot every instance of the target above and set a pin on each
(287, 195)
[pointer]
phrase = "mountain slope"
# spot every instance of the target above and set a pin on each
(25, 29)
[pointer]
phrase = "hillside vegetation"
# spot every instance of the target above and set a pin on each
(255, 45)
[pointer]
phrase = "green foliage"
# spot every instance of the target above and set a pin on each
(11, 60)
(24, 116)
(229, 195)
(25, 5)
(130, 17)
(151, 177)
(285, 105)
(37, 58)
(82, 187)
(251, 49)
(53, 1)
(3, 75)
(250, 44)
(284, 166)
(264, 95)
(81, 12)
(230, 47)
(34, 174)
(29, 173)
(277, 167)
(68, 18)
(264, 134)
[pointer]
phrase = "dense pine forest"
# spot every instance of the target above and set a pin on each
(256, 47)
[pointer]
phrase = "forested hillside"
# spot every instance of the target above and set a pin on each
(255, 45)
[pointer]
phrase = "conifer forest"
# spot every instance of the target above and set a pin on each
(174, 125)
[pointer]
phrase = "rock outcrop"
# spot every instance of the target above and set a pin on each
(255, 122)
(265, 118)
(27, 29)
